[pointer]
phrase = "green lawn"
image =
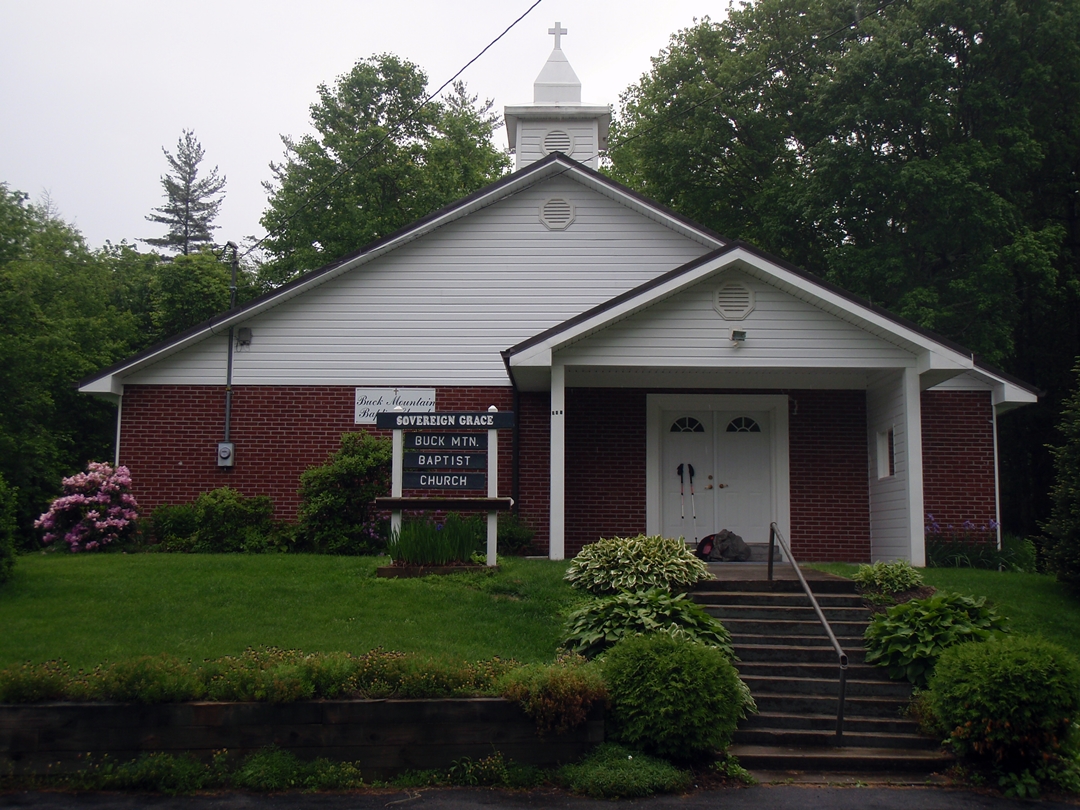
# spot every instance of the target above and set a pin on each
(91, 608)
(1035, 603)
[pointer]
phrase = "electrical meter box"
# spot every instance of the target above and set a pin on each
(226, 454)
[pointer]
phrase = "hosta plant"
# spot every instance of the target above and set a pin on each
(635, 564)
(606, 620)
(888, 577)
(96, 509)
(909, 638)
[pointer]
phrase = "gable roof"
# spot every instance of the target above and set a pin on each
(109, 381)
(940, 357)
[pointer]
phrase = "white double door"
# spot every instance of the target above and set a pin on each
(732, 488)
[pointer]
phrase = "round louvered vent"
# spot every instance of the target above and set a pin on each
(734, 301)
(557, 214)
(558, 141)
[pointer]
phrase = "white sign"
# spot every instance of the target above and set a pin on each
(370, 401)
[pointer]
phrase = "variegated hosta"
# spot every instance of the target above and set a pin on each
(629, 564)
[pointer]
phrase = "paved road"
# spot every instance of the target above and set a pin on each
(755, 798)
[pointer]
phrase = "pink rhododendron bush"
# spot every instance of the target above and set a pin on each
(97, 508)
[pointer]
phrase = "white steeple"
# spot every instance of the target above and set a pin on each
(557, 121)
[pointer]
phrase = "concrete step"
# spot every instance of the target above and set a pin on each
(818, 586)
(808, 650)
(854, 706)
(826, 600)
(798, 738)
(827, 722)
(808, 669)
(771, 685)
(803, 613)
(786, 627)
(839, 759)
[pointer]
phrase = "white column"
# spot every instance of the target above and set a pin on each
(557, 520)
(397, 476)
(913, 437)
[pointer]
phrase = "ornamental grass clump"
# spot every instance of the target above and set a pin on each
(96, 509)
(639, 563)
(426, 542)
(908, 638)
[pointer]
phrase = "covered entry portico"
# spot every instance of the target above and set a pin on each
(803, 404)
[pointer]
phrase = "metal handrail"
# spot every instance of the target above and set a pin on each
(774, 535)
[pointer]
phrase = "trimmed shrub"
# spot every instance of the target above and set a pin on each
(173, 526)
(559, 696)
(614, 772)
(888, 577)
(7, 530)
(1010, 701)
(909, 638)
(337, 510)
(229, 522)
(673, 697)
(605, 621)
(636, 564)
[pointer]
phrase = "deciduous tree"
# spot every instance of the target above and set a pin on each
(380, 159)
(924, 154)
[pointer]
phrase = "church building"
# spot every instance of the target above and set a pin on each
(631, 343)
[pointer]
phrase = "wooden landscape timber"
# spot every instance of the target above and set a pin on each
(383, 737)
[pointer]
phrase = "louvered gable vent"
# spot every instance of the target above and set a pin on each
(558, 141)
(557, 214)
(734, 301)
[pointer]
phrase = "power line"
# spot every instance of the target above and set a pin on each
(393, 128)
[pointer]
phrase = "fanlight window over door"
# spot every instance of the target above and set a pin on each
(687, 424)
(743, 424)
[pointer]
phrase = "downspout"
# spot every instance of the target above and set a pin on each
(515, 452)
(229, 365)
(119, 416)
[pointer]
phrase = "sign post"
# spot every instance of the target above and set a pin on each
(447, 460)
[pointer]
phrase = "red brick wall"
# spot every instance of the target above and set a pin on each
(830, 491)
(958, 457)
(169, 436)
(605, 465)
(534, 470)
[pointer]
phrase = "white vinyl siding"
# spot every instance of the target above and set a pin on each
(531, 136)
(781, 331)
(438, 311)
(889, 522)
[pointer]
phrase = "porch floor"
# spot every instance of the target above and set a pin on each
(751, 571)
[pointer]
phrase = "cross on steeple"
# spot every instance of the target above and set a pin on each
(557, 32)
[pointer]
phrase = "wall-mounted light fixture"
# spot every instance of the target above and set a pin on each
(243, 336)
(738, 337)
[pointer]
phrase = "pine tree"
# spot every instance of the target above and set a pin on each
(192, 202)
(1063, 529)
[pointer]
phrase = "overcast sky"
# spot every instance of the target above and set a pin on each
(91, 90)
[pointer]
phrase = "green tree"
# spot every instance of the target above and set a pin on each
(187, 291)
(1063, 528)
(379, 161)
(59, 321)
(191, 202)
(925, 155)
